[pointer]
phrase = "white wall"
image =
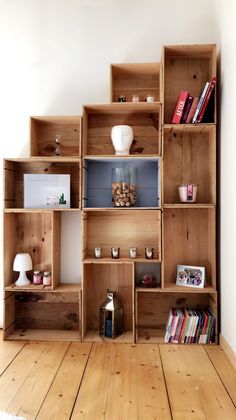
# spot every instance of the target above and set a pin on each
(55, 56)
(226, 14)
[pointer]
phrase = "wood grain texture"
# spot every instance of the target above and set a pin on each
(194, 387)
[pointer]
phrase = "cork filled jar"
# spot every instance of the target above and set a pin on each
(124, 192)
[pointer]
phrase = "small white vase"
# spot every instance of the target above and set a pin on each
(122, 137)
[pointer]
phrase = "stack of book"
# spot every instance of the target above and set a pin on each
(191, 110)
(190, 326)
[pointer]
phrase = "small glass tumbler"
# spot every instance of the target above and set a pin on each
(149, 253)
(115, 253)
(133, 252)
(98, 252)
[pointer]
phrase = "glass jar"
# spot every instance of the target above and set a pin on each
(37, 277)
(124, 191)
(47, 278)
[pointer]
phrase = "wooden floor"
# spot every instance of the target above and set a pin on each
(56, 380)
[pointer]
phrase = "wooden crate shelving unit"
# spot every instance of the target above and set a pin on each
(166, 155)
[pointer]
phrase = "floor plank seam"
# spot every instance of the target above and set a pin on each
(13, 359)
(220, 377)
(53, 380)
(164, 376)
(81, 381)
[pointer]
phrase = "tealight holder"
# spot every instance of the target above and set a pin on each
(149, 253)
(132, 252)
(115, 252)
(98, 252)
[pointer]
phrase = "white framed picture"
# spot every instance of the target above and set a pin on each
(191, 276)
(46, 191)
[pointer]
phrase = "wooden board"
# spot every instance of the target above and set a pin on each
(59, 401)
(145, 119)
(14, 171)
(190, 158)
(127, 383)
(194, 244)
(8, 352)
(194, 388)
(141, 79)
(44, 129)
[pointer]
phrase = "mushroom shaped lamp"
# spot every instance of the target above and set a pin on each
(22, 263)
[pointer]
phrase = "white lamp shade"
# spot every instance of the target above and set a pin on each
(22, 262)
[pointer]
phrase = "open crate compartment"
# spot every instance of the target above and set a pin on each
(150, 269)
(14, 170)
(97, 177)
(124, 229)
(152, 310)
(194, 244)
(189, 158)
(140, 79)
(42, 315)
(186, 67)
(36, 233)
(97, 279)
(145, 120)
(43, 130)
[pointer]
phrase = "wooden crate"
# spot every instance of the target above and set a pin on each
(97, 279)
(152, 310)
(189, 158)
(42, 315)
(122, 228)
(42, 135)
(141, 79)
(145, 119)
(189, 239)
(36, 233)
(14, 170)
(186, 67)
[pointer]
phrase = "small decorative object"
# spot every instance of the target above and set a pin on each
(22, 263)
(47, 278)
(46, 191)
(115, 253)
(190, 276)
(122, 137)
(149, 98)
(122, 98)
(147, 280)
(188, 193)
(133, 252)
(124, 193)
(37, 277)
(111, 316)
(135, 98)
(149, 253)
(98, 252)
(58, 144)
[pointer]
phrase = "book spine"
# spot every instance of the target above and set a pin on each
(192, 111)
(187, 107)
(180, 107)
(200, 102)
(207, 98)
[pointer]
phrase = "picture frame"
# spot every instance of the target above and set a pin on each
(46, 191)
(190, 276)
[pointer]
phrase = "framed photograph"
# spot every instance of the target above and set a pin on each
(190, 276)
(45, 191)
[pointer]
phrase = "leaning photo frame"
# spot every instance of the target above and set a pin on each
(190, 276)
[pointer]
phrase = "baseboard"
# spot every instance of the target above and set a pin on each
(228, 350)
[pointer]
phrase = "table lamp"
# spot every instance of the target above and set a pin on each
(22, 263)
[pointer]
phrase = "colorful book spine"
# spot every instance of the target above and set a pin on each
(192, 111)
(183, 96)
(207, 98)
(187, 107)
(200, 102)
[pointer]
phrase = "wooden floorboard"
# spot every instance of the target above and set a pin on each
(194, 387)
(116, 381)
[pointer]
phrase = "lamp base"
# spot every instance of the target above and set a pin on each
(22, 279)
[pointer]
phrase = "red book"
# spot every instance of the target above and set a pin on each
(208, 95)
(187, 107)
(192, 110)
(183, 96)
